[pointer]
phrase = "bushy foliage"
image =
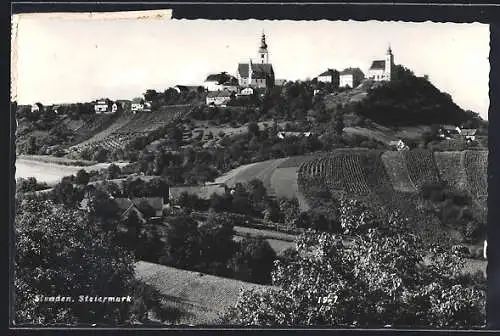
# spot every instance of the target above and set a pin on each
(455, 210)
(378, 279)
(62, 252)
(29, 184)
(410, 100)
(253, 261)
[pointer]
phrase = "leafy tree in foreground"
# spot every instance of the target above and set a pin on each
(59, 251)
(379, 278)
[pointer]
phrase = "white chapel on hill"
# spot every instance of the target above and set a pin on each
(382, 70)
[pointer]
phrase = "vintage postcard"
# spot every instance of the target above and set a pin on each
(249, 173)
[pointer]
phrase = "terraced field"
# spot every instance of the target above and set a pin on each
(128, 127)
(392, 179)
(451, 168)
(421, 167)
(395, 166)
(476, 168)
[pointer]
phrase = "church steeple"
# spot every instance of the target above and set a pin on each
(389, 63)
(263, 52)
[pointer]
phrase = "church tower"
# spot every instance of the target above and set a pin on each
(263, 52)
(389, 64)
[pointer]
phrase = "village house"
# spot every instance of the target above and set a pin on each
(448, 131)
(258, 74)
(398, 145)
(246, 92)
(469, 134)
(351, 77)
(144, 207)
(136, 107)
(382, 70)
(329, 76)
(218, 97)
(283, 135)
(105, 106)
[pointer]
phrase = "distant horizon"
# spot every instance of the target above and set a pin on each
(121, 59)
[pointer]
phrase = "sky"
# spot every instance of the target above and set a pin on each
(76, 60)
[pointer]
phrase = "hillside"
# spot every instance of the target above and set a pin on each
(410, 101)
(130, 126)
(391, 180)
(201, 297)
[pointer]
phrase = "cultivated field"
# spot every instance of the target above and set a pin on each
(202, 297)
(130, 126)
(451, 168)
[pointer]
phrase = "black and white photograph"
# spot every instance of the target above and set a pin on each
(249, 173)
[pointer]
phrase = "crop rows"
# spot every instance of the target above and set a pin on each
(129, 127)
(421, 167)
(397, 172)
(354, 180)
(338, 172)
(476, 168)
(451, 169)
(295, 161)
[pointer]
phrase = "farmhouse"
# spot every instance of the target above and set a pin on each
(102, 106)
(136, 107)
(329, 76)
(398, 145)
(218, 97)
(283, 135)
(246, 92)
(448, 131)
(127, 206)
(382, 70)
(258, 74)
(468, 133)
(351, 77)
(143, 206)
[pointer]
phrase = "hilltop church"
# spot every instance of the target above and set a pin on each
(257, 74)
(382, 70)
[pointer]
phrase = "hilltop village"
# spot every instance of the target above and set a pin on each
(351, 200)
(254, 75)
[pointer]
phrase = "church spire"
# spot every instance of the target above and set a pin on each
(263, 52)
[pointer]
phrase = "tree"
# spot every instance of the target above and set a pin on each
(60, 252)
(290, 210)
(65, 193)
(182, 248)
(216, 246)
(113, 171)
(377, 279)
(82, 177)
(253, 261)
(151, 95)
(253, 128)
